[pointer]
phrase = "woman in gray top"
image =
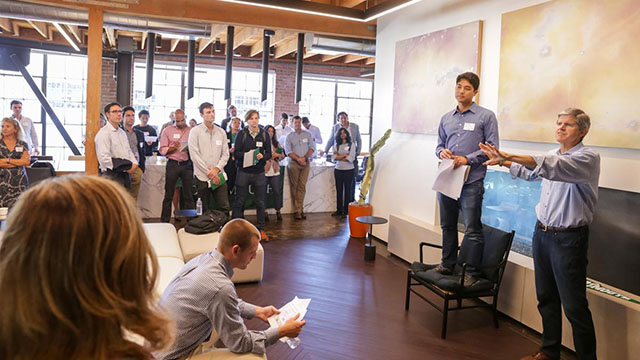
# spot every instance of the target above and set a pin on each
(343, 154)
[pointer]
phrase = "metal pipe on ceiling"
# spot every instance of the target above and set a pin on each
(151, 53)
(39, 12)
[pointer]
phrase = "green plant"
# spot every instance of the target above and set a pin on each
(368, 174)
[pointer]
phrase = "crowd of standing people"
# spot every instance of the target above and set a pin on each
(207, 161)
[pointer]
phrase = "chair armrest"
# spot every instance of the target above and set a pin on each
(423, 244)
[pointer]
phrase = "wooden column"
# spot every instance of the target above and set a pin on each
(94, 77)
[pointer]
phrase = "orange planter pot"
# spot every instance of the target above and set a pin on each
(358, 230)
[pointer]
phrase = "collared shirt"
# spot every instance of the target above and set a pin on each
(202, 298)
(315, 132)
(354, 131)
(112, 143)
(282, 132)
(30, 134)
(462, 132)
(299, 143)
(172, 134)
(208, 149)
(344, 149)
(569, 185)
(317, 138)
(133, 143)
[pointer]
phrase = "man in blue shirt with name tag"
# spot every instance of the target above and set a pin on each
(459, 134)
(568, 198)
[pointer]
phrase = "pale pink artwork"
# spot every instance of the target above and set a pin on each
(426, 68)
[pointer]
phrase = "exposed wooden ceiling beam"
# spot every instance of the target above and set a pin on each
(326, 58)
(216, 30)
(111, 37)
(227, 13)
(370, 61)
(174, 44)
(353, 58)
(280, 36)
(143, 42)
(350, 3)
(40, 27)
(5, 24)
(75, 32)
(16, 28)
(244, 35)
(287, 47)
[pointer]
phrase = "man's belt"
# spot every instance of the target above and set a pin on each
(559, 229)
(186, 162)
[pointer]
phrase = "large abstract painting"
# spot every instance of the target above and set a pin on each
(571, 53)
(426, 67)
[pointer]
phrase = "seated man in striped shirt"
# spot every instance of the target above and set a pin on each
(202, 298)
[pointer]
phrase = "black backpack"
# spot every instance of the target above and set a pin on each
(210, 221)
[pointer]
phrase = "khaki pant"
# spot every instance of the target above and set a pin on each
(136, 180)
(214, 349)
(298, 176)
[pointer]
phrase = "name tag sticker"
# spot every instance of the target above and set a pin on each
(176, 136)
(259, 143)
(346, 148)
(305, 140)
(228, 141)
(146, 133)
(469, 126)
(218, 142)
(19, 149)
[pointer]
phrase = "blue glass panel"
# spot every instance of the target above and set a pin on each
(509, 204)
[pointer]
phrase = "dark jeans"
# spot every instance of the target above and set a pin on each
(470, 202)
(259, 182)
(220, 195)
(560, 261)
(344, 182)
(274, 183)
(175, 171)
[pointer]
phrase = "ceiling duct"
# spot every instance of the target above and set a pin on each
(38, 12)
(334, 45)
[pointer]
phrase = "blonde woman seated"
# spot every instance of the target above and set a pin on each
(14, 156)
(77, 273)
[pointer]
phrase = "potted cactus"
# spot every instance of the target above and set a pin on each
(360, 207)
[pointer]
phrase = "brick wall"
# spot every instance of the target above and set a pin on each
(285, 77)
(108, 93)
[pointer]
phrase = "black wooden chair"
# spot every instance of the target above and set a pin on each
(497, 245)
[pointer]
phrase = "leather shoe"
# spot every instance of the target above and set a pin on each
(297, 216)
(278, 215)
(538, 356)
(303, 215)
(337, 213)
(470, 280)
(263, 236)
(441, 269)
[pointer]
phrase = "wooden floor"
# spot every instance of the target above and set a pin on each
(357, 307)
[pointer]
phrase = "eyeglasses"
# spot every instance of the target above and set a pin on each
(115, 111)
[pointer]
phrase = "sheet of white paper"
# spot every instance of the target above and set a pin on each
(248, 159)
(293, 307)
(449, 181)
(150, 138)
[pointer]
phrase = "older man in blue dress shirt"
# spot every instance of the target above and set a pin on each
(459, 134)
(569, 193)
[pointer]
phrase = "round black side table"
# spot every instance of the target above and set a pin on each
(369, 249)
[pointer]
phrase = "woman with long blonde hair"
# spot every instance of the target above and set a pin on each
(77, 274)
(14, 157)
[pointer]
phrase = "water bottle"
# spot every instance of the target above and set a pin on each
(199, 207)
(293, 343)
